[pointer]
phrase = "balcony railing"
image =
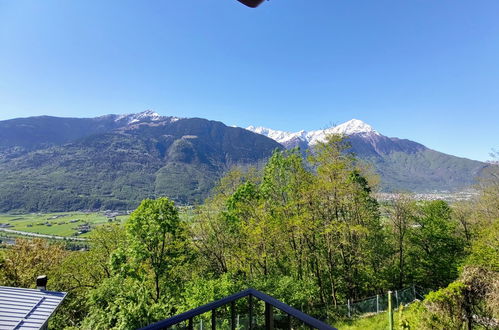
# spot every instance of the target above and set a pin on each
(270, 303)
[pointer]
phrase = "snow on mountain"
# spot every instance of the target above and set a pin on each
(351, 127)
(148, 115)
(279, 136)
(144, 116)
(354, 126)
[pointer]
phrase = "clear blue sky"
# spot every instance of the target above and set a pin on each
(423, 70)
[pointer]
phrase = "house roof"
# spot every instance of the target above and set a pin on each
(27, 308)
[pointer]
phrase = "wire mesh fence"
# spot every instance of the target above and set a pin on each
(379, 303)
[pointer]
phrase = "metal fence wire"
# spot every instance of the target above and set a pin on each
(379, 303)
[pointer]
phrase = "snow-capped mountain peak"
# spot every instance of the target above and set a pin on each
(354, 126)
(144, 116)
(279, 136)
(351, 127)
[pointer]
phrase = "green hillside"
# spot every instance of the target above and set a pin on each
(116, 170)
(425, 170)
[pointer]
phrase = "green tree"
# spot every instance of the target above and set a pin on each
(29, 258)
(347, 242)
(401, 213)
(436, 246)
(485, 248)
(216, 232)
(159, 239)
(83, 271)
(142, 280)
(121, 302)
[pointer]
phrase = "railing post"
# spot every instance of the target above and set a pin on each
(269, 317)
(390, 311)
(414, 291)
(377, 303)
(289, 321)
(190, 325)
(213, 319)
(233, 315)
(250, 312)
(349, 311)
(396, 299)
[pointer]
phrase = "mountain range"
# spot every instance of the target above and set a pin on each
(403, 165)
(115, 161)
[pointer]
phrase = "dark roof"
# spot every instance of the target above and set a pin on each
(27, 308)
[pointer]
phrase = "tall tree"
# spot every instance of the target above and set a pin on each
(437, 248)
(158, 238)
(401, 215)
(348, 233)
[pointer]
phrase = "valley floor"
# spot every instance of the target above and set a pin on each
(63, 224)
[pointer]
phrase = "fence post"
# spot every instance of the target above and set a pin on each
(349, 313)
(269, 317)
(390, 311)
(396, 299)
(414, 291)
(250, 312)
(233, 315)
(213, 319)
(377, 303)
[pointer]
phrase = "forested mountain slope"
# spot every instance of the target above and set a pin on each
(118, 161)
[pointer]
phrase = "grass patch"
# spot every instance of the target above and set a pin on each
(374, 322)
(409, 315)
(67, 224)
(58, 224)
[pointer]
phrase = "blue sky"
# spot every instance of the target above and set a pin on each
(423, 70)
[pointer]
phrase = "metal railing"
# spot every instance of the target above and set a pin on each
(270, 303)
